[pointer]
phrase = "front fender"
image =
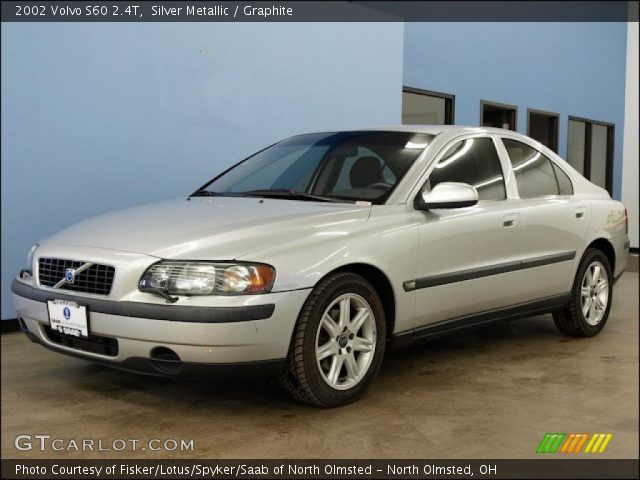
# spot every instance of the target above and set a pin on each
(387, 241)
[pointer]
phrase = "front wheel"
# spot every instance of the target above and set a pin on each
(588, 309)
(338, 343)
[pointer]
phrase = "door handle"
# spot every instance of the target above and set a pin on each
(581, 212)
(510, 220)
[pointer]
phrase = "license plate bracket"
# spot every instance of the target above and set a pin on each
(68, 318)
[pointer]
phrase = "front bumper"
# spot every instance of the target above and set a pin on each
(232, 336)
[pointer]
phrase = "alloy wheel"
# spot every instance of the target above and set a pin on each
(594, 294)
(346, 341)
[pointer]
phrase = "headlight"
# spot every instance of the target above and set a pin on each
(207, 278)
(32, 252)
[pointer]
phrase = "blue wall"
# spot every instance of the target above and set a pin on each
(96, 117)
(573, 69)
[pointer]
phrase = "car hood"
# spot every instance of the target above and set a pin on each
(208, 228)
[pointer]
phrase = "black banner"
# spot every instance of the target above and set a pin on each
(319, 469)
(320, 11)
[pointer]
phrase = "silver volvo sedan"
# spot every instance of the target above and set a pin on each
(311, 258)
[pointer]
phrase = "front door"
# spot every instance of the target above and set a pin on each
(468, 258)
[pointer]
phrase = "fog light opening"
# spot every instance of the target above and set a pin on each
(166, 360)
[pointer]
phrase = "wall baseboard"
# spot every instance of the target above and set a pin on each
(9, 325)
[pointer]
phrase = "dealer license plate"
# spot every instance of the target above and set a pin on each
(68, 318)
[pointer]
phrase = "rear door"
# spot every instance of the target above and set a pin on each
(554, 224)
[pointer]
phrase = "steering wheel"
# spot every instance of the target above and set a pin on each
(380, 185)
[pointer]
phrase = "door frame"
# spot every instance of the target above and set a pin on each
(586, 165)
(556, 133)
(449, 101)
(505, 106)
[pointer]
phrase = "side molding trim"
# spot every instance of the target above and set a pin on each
(472, 273)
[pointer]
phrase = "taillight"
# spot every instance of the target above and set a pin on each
(626, 222)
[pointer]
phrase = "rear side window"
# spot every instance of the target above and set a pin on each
(564, 182)
(473, 161)
(534, 172)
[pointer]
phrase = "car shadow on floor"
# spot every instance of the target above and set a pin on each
(508, 341)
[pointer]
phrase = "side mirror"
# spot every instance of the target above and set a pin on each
(447, 195)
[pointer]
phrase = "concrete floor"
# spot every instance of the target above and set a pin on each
(491, 394)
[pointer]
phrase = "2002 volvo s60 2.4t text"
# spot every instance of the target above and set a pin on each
(312, 257)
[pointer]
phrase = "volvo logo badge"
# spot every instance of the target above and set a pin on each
(70, 275)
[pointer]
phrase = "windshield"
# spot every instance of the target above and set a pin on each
(345, 166)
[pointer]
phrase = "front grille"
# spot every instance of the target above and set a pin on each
(96, 279)
(92, 343)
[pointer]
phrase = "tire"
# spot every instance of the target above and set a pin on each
(312, 380)
(581, 317)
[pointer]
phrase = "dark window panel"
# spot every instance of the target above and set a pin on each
(590, 150)
(425, 107)
(543, 127)
(498, 115)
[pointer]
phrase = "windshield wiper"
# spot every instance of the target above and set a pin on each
(205, 193)
(271, 193)
(290, 194)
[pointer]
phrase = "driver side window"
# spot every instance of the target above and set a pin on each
(473, 161)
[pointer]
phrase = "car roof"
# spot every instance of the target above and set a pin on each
(432, 129)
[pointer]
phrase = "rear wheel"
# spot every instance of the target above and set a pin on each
(588, 309)
(338, 343)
